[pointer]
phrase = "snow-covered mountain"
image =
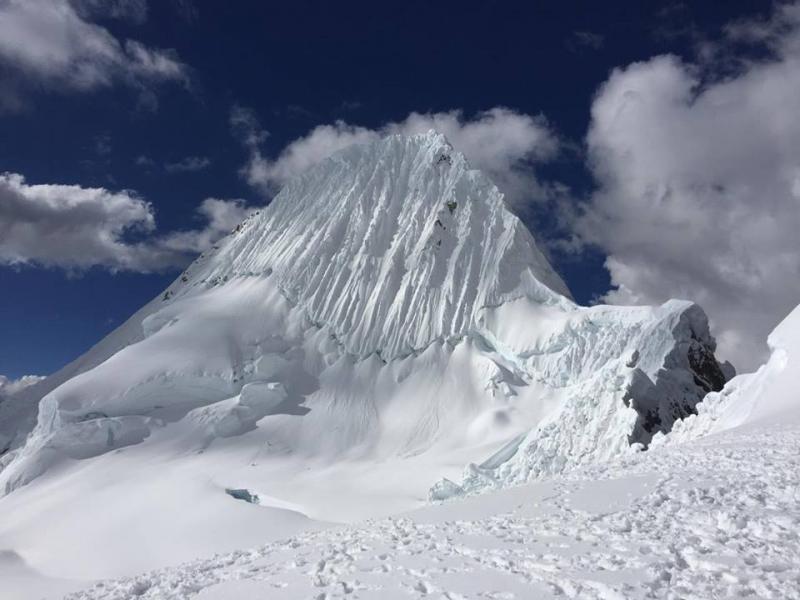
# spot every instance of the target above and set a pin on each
(342, 354)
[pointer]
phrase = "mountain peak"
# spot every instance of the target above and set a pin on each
(259, 371)
(389, 245)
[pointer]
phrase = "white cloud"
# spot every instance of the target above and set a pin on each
(69, 226)
(75, 228)
(221, 215)
(50, 43)
(9, 387)
(500, 141)
(699, 186)
(189, 163)
(269, 175)
(156, 65)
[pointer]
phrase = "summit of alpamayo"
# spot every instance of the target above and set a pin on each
(383, 335)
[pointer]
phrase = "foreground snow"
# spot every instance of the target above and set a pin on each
(712, 510)
(715, 518)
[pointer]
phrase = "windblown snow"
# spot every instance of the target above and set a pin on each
(341, 356)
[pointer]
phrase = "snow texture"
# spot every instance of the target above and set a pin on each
(712, 510)
(717, 518)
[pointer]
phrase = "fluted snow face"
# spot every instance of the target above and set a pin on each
(390, 245)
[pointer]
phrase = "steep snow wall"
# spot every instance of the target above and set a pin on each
(390, 246)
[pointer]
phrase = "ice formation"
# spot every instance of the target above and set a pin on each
(612, 377)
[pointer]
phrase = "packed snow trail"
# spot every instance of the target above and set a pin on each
(714, 518)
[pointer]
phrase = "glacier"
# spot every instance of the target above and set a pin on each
(341, 354)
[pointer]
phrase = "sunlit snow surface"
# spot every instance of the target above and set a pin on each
(342, 356)
(703, 515)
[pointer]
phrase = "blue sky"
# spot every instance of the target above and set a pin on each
(141, 128)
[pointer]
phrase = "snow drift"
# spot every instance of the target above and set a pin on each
(384, 321)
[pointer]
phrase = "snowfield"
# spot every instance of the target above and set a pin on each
(383, 337)
(714, 518)
(717, 516)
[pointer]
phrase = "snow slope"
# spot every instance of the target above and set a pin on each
(18, 412)
(382, 323)
(714, 518)
(702, 520)
(711, 510)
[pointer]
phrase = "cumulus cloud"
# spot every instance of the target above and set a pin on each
(699, 185)
(52, 43)
(189, 163)
(68, 225)
(75, 228)
(504, 143)
(269, 175)
(9, 387)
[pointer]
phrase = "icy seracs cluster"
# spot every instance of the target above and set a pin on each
(613, 377)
